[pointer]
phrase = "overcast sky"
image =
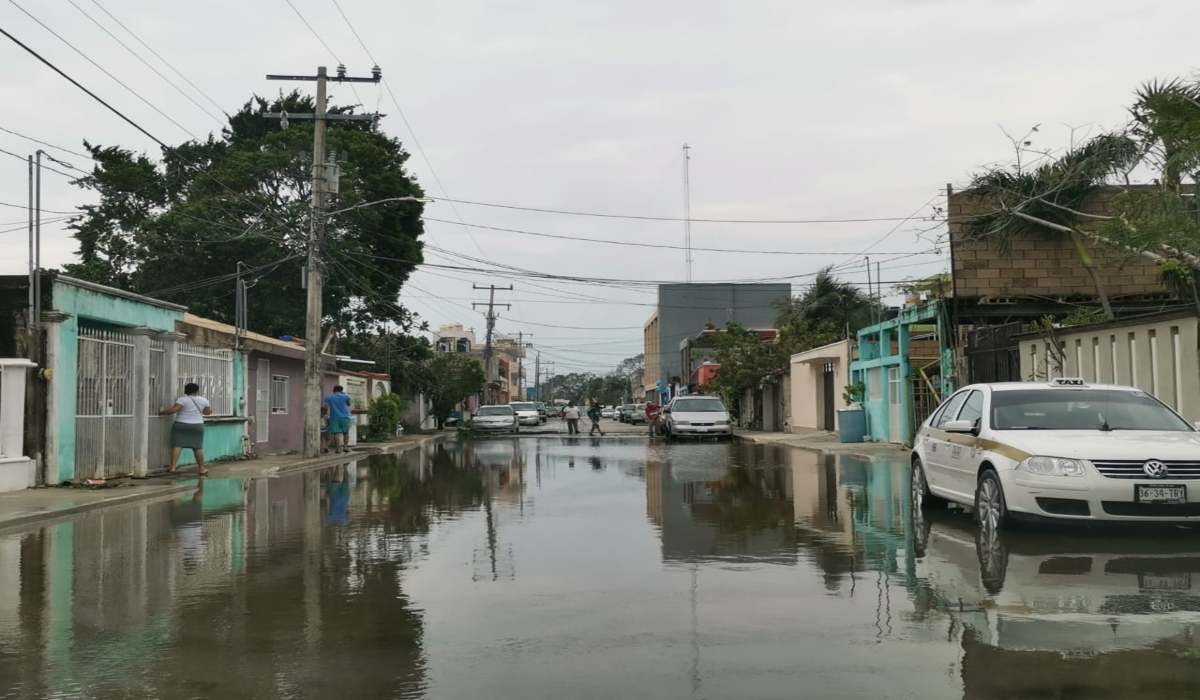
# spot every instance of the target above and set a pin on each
(794, 110)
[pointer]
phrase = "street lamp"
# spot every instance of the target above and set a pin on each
(380, 201)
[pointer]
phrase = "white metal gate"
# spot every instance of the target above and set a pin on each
(894, 405)
(262, 402)
(104, 420)
(159, 429)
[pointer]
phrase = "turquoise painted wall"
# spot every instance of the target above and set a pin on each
(220, 440)
(91, 307)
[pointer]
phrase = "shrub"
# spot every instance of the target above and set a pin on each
(383, 416)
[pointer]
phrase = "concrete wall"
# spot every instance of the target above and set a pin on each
(808, 387)
(684, 310)
(1040, 265)
(1158, 354)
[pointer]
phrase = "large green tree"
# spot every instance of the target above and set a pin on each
(448, 380)
(176, 227)
(826, 301)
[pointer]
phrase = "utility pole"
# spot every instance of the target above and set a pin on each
(488, 349)
(537, 377)
(687, 209)
(522, 345)
(316, 234)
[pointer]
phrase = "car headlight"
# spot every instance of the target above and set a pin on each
(1053, 466)
(721, 422)
(683, 422)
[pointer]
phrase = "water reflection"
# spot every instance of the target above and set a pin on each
(499, 569)
(1085, 614)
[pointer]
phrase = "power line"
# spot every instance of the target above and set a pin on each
(668, 218)
(146, 63)
(44, 211)
(98, 66)
(131, 122)
(652, 245)
(24, 159)
(47, 145)
(156, 55)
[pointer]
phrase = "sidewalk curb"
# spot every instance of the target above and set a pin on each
(56, 516)
(824, 451)
(361, 453)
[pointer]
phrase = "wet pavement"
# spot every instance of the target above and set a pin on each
(557, 568)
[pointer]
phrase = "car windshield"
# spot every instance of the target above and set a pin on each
(1081, 409)
(523, 407)
(495, 411)
(699, 406)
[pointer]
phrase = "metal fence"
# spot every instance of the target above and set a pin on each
(104, 420)
(159, 429)
(213, 370)
(993, 354)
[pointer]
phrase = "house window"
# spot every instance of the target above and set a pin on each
(279, 393)
(875, 384)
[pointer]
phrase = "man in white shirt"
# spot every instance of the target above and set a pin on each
(571, 415)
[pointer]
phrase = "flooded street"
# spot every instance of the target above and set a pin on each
(548, 568)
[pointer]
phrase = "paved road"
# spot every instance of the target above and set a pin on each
(587, 568)
(554, 426)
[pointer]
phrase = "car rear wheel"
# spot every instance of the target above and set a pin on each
(991, 510)
(922, 498)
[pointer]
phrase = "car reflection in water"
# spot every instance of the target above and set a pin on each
(1082, 615)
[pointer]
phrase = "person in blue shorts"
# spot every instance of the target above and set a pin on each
(337, 407)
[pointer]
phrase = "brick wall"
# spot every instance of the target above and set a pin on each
(1041, 266)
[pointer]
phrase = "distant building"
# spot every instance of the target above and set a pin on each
(686, 309)
(505, 375)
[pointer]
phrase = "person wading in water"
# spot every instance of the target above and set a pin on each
(595, 415)
(571, 415)
(188, 429)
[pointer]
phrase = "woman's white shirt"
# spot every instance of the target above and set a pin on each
(193, 409)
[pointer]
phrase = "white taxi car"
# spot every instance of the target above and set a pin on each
(1063, 450)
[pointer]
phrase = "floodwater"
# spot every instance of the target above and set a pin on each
(554, 568)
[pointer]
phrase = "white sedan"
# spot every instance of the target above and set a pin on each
(1063, 450)
(493, 419)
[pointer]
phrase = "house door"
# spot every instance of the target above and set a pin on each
(895, 433)
(104, 418)
(828, 397)
(262, 402)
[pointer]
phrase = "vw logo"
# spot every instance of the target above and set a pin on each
(1155, 469)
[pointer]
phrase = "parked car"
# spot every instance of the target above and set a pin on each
(623, 412)
(637, 414)
(454, 419)
(1063, 450)
(697, 417)
(527, 413)
(606, 412)
(542, 411)
(495, 419)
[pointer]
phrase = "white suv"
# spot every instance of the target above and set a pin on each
(1062, 450)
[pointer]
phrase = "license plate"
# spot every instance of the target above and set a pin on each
(1169, 493)
(1165, 582)
(702, 430)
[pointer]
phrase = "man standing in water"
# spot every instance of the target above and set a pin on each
(571, 415)
(337, 406)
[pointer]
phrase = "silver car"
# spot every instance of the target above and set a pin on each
(527, 413)
(698, 417)
(495, 419)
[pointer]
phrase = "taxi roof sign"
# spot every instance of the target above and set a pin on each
(1067, 381)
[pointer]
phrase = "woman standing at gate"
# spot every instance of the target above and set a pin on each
(188, 429)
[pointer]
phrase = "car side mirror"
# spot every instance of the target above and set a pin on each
(959, 426)
(1196, 425)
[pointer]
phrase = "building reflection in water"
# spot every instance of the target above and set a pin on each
(242, 588)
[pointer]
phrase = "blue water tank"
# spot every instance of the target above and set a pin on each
(852, 424)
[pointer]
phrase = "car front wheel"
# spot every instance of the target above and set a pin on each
(922, 498)
(991, 511)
